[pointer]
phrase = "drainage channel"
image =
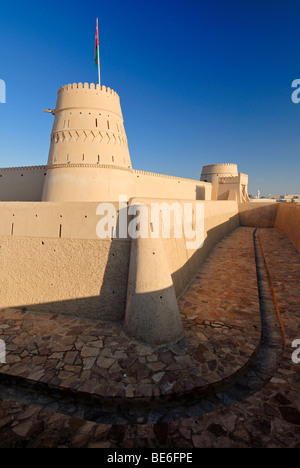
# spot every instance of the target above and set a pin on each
(248, 382)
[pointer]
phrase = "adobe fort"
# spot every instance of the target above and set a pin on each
(48, 223)
(55, 210)
(142, 341)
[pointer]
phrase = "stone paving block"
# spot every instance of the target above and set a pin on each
(215, 306)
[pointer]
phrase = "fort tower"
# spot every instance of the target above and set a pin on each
(88, 158)
(227, 182)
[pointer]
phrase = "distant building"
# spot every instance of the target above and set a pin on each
(285, 198)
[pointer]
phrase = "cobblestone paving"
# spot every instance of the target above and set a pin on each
(98, 359)
(221, 326)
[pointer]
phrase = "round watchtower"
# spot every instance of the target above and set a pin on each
(88, 158)
(213, 171)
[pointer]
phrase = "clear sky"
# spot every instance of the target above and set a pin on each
(200, 82)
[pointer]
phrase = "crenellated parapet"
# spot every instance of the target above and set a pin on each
(221, 165)
(229, 180)
(89, 96)
(137, 173)
(86, 86)
(22, 169)
(211, 171)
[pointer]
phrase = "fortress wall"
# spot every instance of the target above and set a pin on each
(55, 220)
(258, 214)
(220, 218)
(152, 185)
(52, 261)
(93, 182)
(65, 276)
(22, 183)
(288, 221)
(162, 267)
(74, 183)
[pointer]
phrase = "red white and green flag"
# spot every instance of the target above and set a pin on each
(97, 46)
(97, 58)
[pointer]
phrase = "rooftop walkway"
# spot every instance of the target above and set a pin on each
(230, 381)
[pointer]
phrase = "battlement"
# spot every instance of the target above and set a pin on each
(87, 96)
(220, 164)
(213, 171)
(223, 168)
(229, 179)
(86, 87)
(22, 169)
(165, 176)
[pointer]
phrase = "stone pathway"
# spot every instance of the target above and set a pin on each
(97, 359)
(220, 386)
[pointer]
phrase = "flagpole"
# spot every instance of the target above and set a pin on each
(98, 55)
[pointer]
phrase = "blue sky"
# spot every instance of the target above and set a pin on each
(200, 82)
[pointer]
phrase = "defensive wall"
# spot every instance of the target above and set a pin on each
(288, 221)
(22, 183)
(282, 216)
(52, 259)
(100, 182)
(261, 214)
(150, 184)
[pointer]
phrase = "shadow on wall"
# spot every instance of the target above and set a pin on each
(282, 216)
(200, 193)
(288, 221)
(90, 276)
(153, 317)
(164, 326)
(110, 304)
(258, 214)
(183, 276)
